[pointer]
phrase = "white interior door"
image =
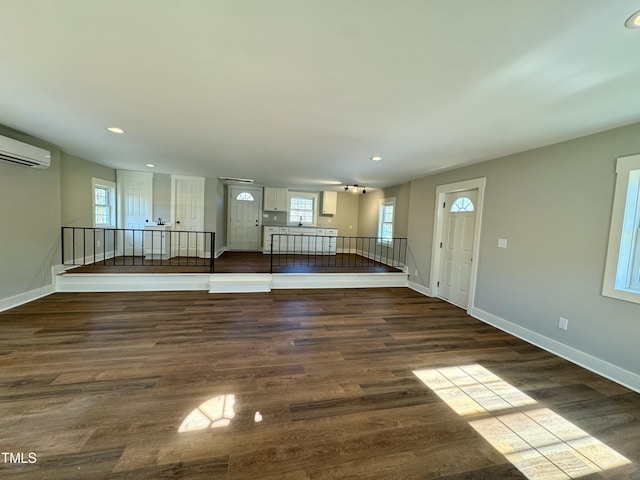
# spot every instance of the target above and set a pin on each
(135, 198)
(244, 221)
(457, 246)
(188, 216)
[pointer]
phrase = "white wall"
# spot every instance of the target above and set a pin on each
(30, 219)
(553, 204)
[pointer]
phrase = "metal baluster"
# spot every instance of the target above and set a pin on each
(212, 255)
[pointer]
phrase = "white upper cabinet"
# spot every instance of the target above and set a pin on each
(275, 199)
(329, 203)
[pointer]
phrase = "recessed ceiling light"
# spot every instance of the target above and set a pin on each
(115, 130)
(150, 165)
(633, 21)
(376, 158)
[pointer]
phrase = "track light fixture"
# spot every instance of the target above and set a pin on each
(355, 188)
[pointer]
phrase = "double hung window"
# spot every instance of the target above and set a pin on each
(622, 270)
(385, 221)
(104, 202)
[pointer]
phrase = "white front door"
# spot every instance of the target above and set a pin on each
(188, 215)
(135, 199)
(457, 246)
(245, 213)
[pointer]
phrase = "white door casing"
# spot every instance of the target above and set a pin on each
(187, 215)
(438, 228)
(134, 191)
(244, 218)
(457, 247)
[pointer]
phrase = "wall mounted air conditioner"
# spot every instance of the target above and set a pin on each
(21, 153)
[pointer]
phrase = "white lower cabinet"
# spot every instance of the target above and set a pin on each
(300, 240)
(157, 242)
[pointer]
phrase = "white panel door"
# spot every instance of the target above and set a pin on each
(188, 207)
(135, 197)
(245, 214)
(457, 247)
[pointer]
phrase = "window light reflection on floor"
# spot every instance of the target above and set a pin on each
(539, 442)
(214, 413)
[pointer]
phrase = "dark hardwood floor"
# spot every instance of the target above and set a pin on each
(313, 384)
(241, 262)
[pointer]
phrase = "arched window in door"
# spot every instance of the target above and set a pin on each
(462, 204)
(245, 196)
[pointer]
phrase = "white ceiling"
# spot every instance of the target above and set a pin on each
(303, 92)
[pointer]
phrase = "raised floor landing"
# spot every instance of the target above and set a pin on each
(241, 262)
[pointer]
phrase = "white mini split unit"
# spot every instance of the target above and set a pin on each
(21, 153)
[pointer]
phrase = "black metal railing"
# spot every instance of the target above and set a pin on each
(137, 247)
(299, 250)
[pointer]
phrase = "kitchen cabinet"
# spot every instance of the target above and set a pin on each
(300, 240)
(329, 203)
(275, 199)
(268, 239)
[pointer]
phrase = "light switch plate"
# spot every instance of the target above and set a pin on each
(502, 243)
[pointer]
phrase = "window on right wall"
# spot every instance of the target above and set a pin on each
(622, 269)
(385, 221)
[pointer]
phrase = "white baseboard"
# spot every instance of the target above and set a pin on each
(378, 258)
(221, 251)
(89, 259)
(601, 367)
(26, 297)
(420, 289)
(30, 296)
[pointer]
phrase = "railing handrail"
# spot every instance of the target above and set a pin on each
(369, 250)
(98, 236)
(139, 229)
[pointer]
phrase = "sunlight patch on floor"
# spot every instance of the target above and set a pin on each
(543, 445)
(538, 442)
(472, 389)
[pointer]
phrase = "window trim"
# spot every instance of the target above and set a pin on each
(462, 209)
(99, 182)
(620, 251)
(382, 203)
(297, 194)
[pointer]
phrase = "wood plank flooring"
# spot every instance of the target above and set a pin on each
(97, 385)
(241, 262)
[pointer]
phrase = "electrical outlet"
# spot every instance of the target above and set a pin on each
(98, 243)
(563, 323)
(415, 272)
